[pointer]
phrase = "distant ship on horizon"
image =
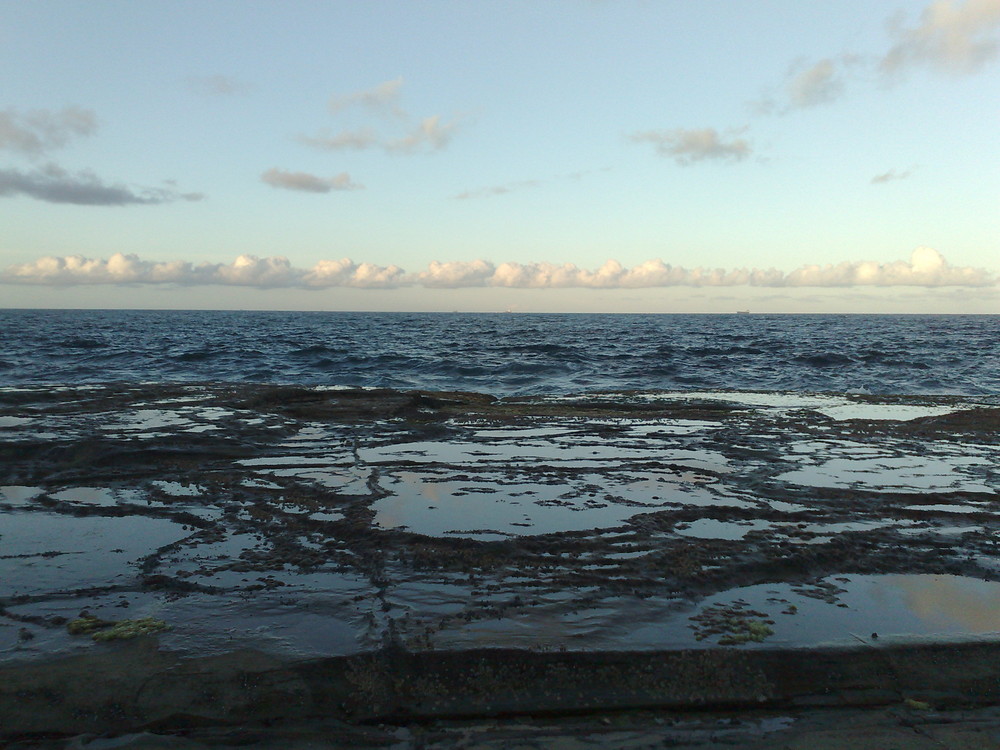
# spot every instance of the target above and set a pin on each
(742, 312)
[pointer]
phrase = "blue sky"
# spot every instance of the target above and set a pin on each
(563, 155)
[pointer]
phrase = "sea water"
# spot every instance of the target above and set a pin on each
(507, 353)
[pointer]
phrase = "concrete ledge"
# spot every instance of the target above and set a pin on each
(131, 686)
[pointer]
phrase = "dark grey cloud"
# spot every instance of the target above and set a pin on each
(890, 176)
(53, 184)
(38, 131)
(687, 146)
(308, 183)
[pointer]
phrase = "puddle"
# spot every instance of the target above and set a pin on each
(783, 507)
(309, 436)
(487, 510)
(327, 516)
(947, 508)
(850, 608)
(45, 552)
(214, 412)
(709, 528)
(327, 621)
(178, 489)
(842, 610)
(582, 453)
(941, 530)
(683, 488)
(296, 461)
(834, 407)
(348, 481)
(838, 528)
(143, 420)
(894, 412)
(672, 427)
(306, 626)
(261, 484)
(18, 495)
(768, 399)
(100, 496)
(891, 474)
(523, 433)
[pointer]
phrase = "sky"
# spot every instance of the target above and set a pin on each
(550, 156)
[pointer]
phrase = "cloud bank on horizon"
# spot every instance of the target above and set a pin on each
(926, 268)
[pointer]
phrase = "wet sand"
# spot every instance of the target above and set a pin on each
(372, 555)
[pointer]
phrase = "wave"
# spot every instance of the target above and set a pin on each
(83, 343)
(509, 354)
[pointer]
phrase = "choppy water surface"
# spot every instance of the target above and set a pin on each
(506, 354)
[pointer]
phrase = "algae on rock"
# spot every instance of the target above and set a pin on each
(109, 630)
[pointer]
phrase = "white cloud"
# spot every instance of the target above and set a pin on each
(952, 37)
(53, 184)
(345, 272)
(612, 275)
(427, 134)
(809, 84)
(309, 183)
(687, 146)
(817, 84)
(926, 268)
(456, 274)
(431, 134)
(76, 269)
(382, 99)
(38, 131)
(246, 270)
(374, 276)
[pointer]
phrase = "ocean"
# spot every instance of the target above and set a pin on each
(507, 354)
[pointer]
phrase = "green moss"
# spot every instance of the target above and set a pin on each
(131, 629)
(744, 631)
(107, 630)
(86, 624)
(759, 630)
